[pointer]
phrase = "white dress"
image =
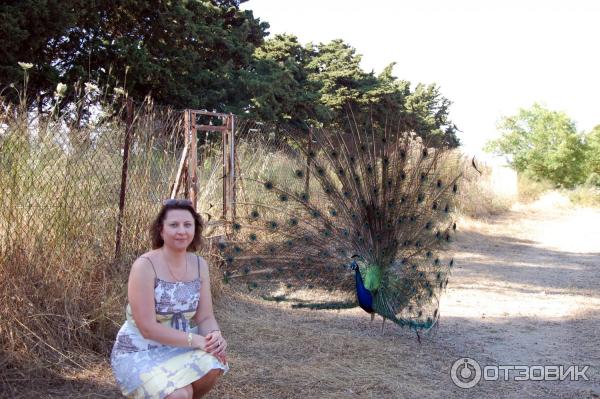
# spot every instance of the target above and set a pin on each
(144, 368)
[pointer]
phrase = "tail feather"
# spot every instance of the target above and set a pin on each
(377, 193)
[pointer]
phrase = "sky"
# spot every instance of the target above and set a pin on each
(490, 58)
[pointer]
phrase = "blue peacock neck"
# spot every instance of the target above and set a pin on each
(364, 296)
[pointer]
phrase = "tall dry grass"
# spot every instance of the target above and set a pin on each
(477, 198)
(585, 196)
(62, 291)
(61, 288)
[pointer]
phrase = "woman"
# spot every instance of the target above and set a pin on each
(170, 346)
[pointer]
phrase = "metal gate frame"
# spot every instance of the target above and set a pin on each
(189, 158)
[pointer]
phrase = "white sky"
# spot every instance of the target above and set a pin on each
(488, 57)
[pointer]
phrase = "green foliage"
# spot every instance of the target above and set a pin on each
(321, 83)
(29, 32)
(279, 84)
(544, 144)
(593, 180)
(336, 67)
(185, 54)
(592, 162)
(204, 55)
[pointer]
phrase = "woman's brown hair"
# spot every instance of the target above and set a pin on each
(157, 224)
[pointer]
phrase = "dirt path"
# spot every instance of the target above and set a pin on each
(525, 292)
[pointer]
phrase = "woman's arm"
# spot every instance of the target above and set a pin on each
(140, 291)
(204, 317)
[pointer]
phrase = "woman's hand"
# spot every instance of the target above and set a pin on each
(198, 341)
(216, 345)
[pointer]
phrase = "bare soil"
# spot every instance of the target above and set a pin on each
(525, 291)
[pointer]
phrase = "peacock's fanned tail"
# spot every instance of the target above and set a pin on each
(375, 194)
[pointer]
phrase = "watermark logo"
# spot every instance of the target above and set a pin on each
(466, 373)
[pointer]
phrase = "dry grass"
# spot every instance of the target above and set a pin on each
(510, 300)
(531, 190)
(585, 196)
(477, 197)
(61, 290)
(286, 353)
(501, 300)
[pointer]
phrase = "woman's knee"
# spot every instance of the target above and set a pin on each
(186, 392)
(214, 374)
(208, 380)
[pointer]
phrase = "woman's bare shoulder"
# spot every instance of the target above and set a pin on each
(145, 263)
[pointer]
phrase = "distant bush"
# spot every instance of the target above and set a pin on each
(544, 144)
(586, 195)
(531, 189)
(593, 180)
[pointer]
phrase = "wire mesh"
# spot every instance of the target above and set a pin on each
(60, 186)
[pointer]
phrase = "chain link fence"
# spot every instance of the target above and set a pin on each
(62, 277)
(64, 192)
(61, 186)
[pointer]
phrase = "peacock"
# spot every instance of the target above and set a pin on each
(367, 208)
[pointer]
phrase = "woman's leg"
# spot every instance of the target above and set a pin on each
(205, 384)
(187, 392)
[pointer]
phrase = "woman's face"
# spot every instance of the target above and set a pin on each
(178, 229)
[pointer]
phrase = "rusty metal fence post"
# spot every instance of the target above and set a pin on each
(232, 157)
(193, 165)
(124, 169)
(224, 146)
